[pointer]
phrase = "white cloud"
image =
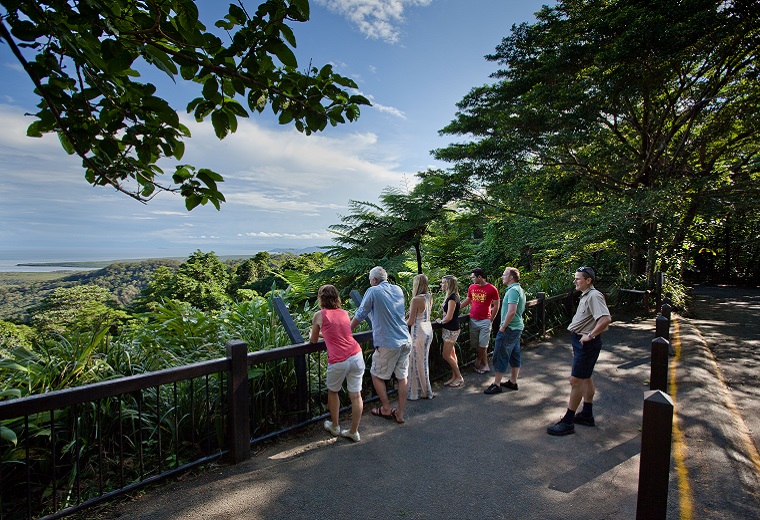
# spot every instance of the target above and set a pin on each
(376, 19)
(279, 204)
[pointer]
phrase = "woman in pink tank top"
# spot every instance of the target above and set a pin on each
(345, 360)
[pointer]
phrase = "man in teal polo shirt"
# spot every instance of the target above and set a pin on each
(506, 350)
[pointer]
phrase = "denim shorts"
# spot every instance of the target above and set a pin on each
(506, 350)
(585, 355)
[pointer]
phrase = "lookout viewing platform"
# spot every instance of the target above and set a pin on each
(468, 455)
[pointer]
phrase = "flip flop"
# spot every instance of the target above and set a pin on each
(456, 384)
(393, 415)
(378, 412)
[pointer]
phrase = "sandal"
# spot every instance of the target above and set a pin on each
(378, 412)
(393, 415)
(456, 384)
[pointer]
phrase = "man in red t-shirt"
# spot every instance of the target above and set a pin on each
(485, 301)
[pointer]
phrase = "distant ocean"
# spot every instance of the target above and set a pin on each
(12, 266)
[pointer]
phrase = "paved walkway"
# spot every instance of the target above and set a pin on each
(467, 455)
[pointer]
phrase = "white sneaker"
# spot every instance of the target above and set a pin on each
(330, 427)
(348, 435)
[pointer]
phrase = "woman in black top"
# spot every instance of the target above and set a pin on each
(450, 329)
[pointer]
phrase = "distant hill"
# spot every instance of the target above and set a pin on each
(125, 280)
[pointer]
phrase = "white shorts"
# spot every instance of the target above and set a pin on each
(351, 371)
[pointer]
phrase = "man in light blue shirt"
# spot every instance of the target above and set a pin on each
(384, 305)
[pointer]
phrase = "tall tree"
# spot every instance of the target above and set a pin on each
(619, 120)
(385, 233)
(83, 58)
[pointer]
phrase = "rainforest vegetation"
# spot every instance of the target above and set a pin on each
(621, 135)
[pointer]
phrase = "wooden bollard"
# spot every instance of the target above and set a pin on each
(662, 327)
(658, 377)
(654, 462)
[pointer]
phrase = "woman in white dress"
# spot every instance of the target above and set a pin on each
(422, 337)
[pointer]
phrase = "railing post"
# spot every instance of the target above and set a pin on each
(658, 283)
(541, 313)
(356, 296)
(667, 310)
(299, 362)
(239, 428)
(658, 376)
(569, 302)
(654, 462)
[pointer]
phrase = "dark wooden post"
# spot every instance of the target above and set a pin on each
(662, 327)
(299, 362)
(658, 377)
(541, 313)
(239, 428)
(654, 462)
(659, 281)
(569, 303)
(666, 311)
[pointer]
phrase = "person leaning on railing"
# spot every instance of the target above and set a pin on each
(345, 361)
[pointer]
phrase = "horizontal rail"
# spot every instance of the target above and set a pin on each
(33, 404)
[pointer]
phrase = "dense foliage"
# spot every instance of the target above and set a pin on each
(616, 134)
(84, 59)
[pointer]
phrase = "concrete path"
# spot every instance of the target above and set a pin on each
(467, 455)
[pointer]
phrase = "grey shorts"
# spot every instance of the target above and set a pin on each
(480, 332)
(388, 361)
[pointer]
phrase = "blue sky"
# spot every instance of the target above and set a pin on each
(414, 59)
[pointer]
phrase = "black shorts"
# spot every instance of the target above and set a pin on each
(585, 355)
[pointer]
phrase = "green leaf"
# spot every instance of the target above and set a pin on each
(284, 54)
(8, 435)
(11, 392)
(235, 108)
(221, 122)
(210, 88)
(187, 72)
(237, 14)
(192, 201)
(34, 130)
(161, 60)
(302, 10)
(67, 146)
(211, 174)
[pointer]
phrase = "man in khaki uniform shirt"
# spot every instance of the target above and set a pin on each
(590, 320)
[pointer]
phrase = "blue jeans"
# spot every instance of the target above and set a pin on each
(506, 350)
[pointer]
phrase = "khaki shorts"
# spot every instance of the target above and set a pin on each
(388, 361)
(351, 370)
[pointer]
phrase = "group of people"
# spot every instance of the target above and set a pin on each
(402, 342)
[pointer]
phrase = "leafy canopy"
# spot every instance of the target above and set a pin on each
(83, 58)
(624, 123)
